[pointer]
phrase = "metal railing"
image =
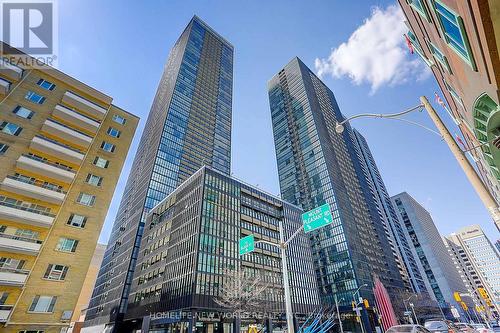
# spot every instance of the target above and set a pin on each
(78, 113)
(69, 127)
(14, 270)
(21, 238)
(27, 209)
(43, 137)
(42, 160)
(37, 183)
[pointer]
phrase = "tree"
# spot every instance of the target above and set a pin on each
(242, 291)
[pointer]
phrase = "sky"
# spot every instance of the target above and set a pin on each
(357, 47)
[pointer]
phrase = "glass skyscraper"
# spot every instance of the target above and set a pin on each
(438, 267)
(190, 246)
(316, 165)
(409, 267)
(189, 126)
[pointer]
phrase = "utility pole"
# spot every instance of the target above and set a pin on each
(467, 167)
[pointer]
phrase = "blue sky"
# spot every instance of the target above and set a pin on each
(120, 47)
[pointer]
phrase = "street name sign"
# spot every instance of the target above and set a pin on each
(247, 244)
(317, 218)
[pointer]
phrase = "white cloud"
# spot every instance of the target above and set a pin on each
(376, 53)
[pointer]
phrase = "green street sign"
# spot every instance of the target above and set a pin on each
(247, 244)
(317, 218)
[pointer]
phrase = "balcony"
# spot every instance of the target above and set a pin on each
(12, 71)
(57, 149)
(5, 312)
(64, 132)
(33, 188)
(18, 244)
(4, 86)
(25, 215)
(84, 105)
(76, 118)
(43, 167)
(13, 276)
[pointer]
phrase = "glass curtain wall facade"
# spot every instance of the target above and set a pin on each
(316, 166)
(191, 240)
(408, 266)
(189, 126)
(438, 267)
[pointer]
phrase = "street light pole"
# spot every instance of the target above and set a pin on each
(356, 303)
(286, 283)
(338, 312)
(414, 314)
(467, 167)
(406, 309)
(282, 246)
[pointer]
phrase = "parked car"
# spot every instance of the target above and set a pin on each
(465, 327)
(407, 329)
(481, 328)
(441, 326)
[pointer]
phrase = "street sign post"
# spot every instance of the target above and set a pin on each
(247, 244)
(317, 218)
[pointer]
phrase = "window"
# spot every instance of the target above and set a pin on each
(5, 82)
(10, 128)
(419, 6)
(11, 263)
(418, 48)
(3, 297)
(94, 180)
(119, 119)
(56, 272)
(453, 93)
(46, 84)
(67, 245)
(43, 304)
(113, 132)
(76, 220)
(3, 148)
(23, 112)
(109, 147)
(101, 162)
(34, 97)
(86, 199)
(454, 32)
(440, 57)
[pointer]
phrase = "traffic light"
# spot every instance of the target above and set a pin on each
(464, 306)
(457, 297)
(367, 305)
(483, 293)
(353, 305)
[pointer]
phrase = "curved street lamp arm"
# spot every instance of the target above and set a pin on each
(381, 115)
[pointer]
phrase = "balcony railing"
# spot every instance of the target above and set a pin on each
(26, 209)
(38, 183)
(42, 160)
(5, 312)
(69, 127)
(60, 144)
(14, 270)
(21, 238)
